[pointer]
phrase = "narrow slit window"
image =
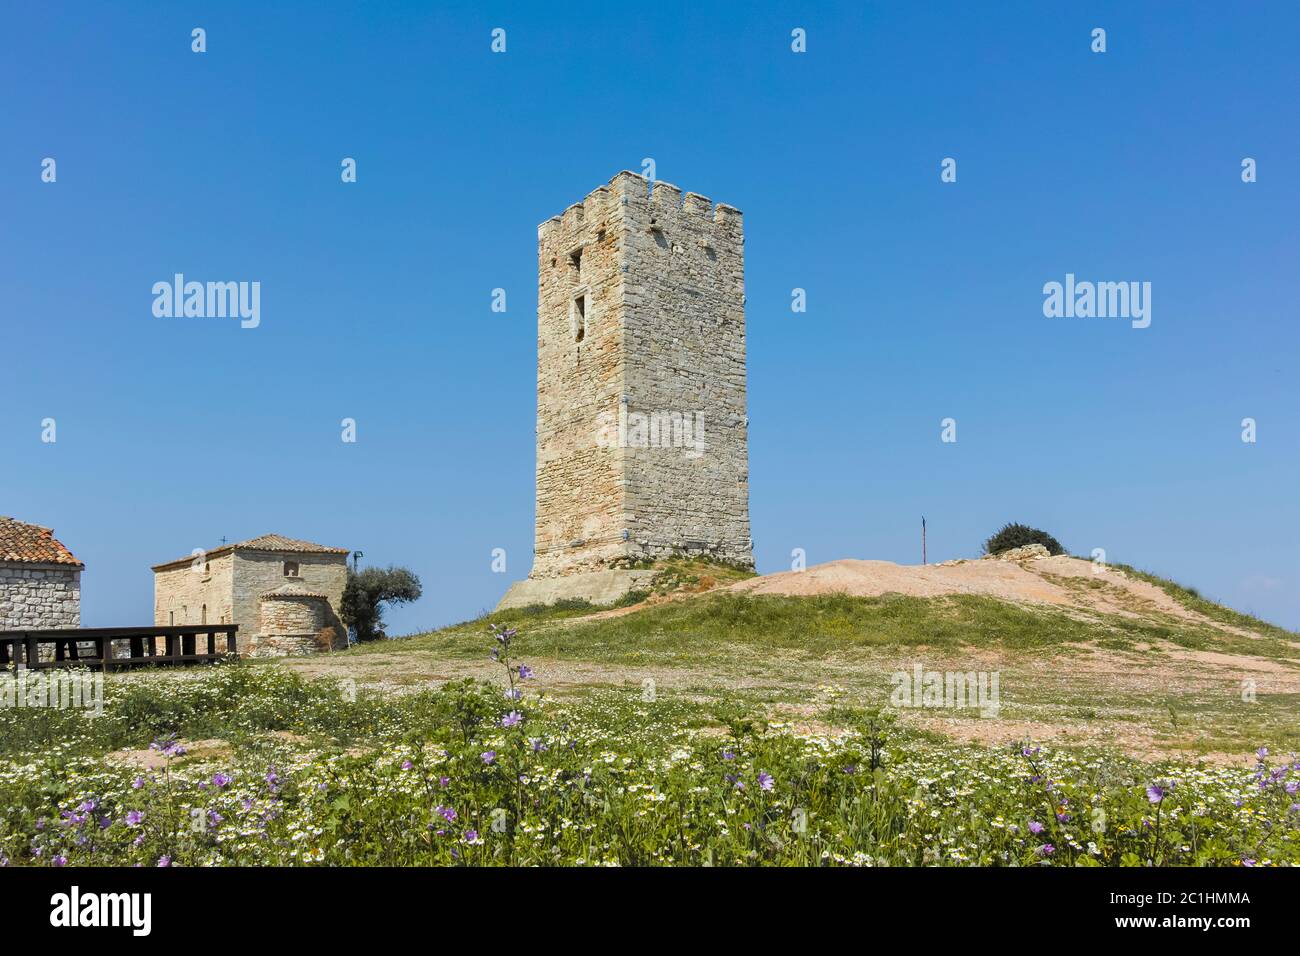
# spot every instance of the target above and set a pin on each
(579, 318)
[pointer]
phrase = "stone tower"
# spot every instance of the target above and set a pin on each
(642, 448)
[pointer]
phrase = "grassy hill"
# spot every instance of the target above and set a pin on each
(1219, 684)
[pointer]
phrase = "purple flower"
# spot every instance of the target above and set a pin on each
(59, 861)
(765, 780)
(511, 719)
(447, 813)
(489, 756)
(525, 672)
(220, 780)
(728, 755)
(1046, 849)
(443, 781)
(1247, 862)
(1035, 827)
(164, 861)
(1261, 753)
(1155, 793)
(407, 765)
(168, 745)
(471, 836)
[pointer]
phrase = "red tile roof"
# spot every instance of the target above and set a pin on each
(267, 542)
(32, 544)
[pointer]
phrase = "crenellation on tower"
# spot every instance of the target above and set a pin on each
(698, 205)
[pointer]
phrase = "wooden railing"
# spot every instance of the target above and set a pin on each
(117, 647)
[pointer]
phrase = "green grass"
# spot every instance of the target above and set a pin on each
(713, 627)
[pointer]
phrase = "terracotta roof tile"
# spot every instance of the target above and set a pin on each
(32, 544)
(278, 542)
(292, 589)
(266, 542)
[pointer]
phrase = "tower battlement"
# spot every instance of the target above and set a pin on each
(652, 204)
(642, 448)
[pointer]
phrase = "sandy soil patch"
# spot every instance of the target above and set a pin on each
(147, 759)
(1034, 581)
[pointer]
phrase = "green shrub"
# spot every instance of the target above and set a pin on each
(635, 596)
(1017, 535)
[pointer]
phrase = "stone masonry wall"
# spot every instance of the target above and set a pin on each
(291, 625)
(687, 461)
(257, 572)
(641, 418)
(34, 596)
(579, 379)
(181, 593)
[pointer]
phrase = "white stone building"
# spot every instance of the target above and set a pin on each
(40, 579)
(284, 594)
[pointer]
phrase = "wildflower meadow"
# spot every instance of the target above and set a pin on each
(252, 765)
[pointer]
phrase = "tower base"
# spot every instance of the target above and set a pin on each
(598, 587)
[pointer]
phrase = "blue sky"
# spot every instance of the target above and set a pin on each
(924, 298)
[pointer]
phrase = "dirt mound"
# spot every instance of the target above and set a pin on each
(1061, 580)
